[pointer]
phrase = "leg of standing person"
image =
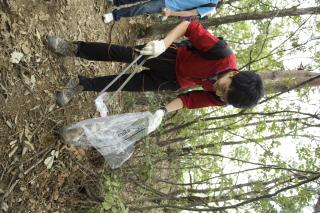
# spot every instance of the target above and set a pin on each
(160, 75)
(149, 7)
(124, 2)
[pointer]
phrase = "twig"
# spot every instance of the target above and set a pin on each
(39, 153)
(11, 188)
(8, 192)
(38, 162)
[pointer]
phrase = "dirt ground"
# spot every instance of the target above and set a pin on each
(29, 115)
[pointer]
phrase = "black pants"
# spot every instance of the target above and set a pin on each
(160, 74)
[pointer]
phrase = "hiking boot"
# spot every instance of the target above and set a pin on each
(72, 89)
(109, 3)
(107, 18)
(71, 136)
(62, 47)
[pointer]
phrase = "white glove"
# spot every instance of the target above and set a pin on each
(154, 48)
(157, 119)
(101, 106)
(165, 14)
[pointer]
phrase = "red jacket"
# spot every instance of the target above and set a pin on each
(193, 70)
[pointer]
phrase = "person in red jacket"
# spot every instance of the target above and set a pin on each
(171, 67)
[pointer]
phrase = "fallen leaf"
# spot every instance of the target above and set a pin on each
(25, 79)
(25, 49)
(36, 107)
(49, 162)
(24, 151)
(12, 143)
(32, 81)
(56, 154)
(16, 57)
(13, 151)
(56, 194)
(16, 119)
(30, 145)
(9, 124)
(27, 133)
(20, 136)
(38, 35)
(51, 107)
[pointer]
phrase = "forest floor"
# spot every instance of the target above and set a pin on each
(30, 117)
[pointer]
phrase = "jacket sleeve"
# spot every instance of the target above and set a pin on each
(200, 38)
(200, 99)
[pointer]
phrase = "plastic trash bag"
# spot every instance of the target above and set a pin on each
(113, 136)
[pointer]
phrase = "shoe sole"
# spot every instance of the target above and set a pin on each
(61, 100)
(52, 43)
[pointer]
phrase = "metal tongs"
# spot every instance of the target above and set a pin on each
(100, 104)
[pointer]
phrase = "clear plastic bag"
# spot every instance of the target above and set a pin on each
(113, 136)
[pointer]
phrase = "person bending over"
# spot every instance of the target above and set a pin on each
(205, 61)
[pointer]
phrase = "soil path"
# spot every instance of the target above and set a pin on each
(29, 116)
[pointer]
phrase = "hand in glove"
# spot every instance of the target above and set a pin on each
(166, 12)
(154, 48)
(157, 119)
(101, 106)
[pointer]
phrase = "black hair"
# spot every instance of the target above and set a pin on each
(246, 89)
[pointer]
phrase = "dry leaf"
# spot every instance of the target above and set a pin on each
(38, 35)
(49, 162)
(9, 124)
(12, 143)
(36, 107)
(20, 136)
(25, 49)
(56, 194)
(25, 79)
(56, 154)
(16, 57)
(27, 133)
(30, 145)
(24, 151)
(51, 107)
(16, 119)
(13, 151)
(32, 82)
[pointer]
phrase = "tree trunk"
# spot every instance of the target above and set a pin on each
(317, 206)
(280, 81)
(158, 29)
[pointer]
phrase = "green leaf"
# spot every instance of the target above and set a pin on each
(115, 210)
(106, 205)
(109, 198)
